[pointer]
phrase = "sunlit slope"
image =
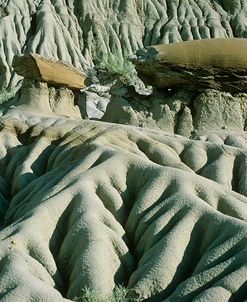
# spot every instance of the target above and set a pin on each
(87, 204)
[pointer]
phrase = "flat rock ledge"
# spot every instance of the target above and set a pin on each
(219, 64)
(57, 73)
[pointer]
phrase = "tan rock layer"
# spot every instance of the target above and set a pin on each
(220, 52)
(212, 63)
(57, 73)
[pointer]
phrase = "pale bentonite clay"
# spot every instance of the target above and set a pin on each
(97, 204)
(118, 183)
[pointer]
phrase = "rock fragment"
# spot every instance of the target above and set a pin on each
(219, 64)
(57, 73)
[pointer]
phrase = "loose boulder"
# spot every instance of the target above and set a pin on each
(57, 73)
(211, 63)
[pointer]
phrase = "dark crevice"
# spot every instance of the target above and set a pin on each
(177, 120)
(60, 232)
(236, 173)
(24, 137)
(31, 33)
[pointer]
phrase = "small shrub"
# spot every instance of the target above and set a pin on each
(120, 294)
(113, 66)
(90, 295)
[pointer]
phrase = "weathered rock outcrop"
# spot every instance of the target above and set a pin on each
(39, 97)
(78, 32)
(91, 205)
(211, 63)
(57, 73)
(185, 112)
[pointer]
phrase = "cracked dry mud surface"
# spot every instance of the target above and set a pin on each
(96, 204)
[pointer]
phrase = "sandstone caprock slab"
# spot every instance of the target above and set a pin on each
(57, 73)
(219, 64)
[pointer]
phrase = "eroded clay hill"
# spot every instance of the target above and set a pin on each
(79, 32)
(158, 205)
(89, 204)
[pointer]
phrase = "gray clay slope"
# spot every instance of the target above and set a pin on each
(86, 204)
(78, 32)
(95, 204)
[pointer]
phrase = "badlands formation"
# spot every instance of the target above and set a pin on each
(117, 183)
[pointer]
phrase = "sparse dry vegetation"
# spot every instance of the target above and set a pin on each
(89, 295)
(113, 66)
